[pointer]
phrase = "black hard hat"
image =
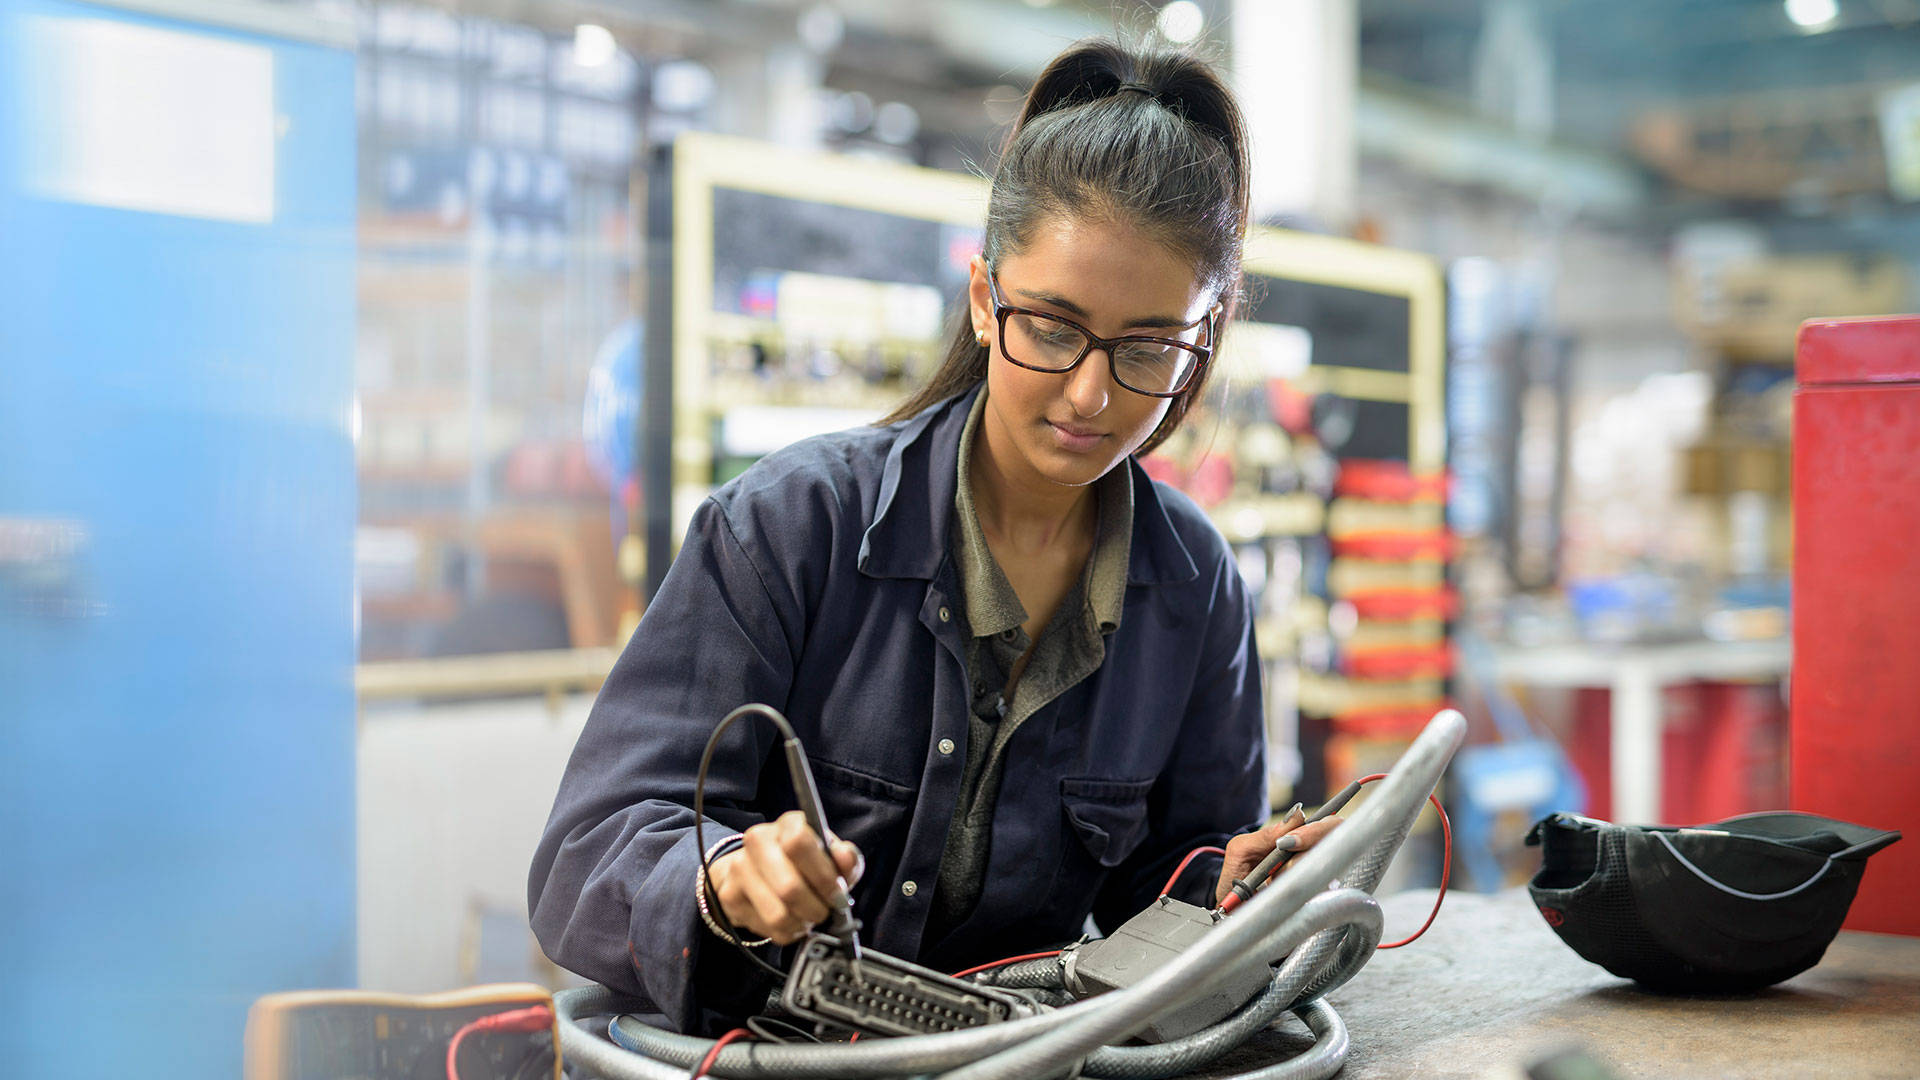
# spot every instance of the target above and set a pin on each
(1734, 905)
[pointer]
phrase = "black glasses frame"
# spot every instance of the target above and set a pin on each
(1203, 353)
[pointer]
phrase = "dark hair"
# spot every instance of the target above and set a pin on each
(1148, 138)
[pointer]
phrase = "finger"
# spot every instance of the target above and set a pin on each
(809, 859)
(764, 857)
(1244, 852)
(775, 867)
(852, 864)
(1312, 834)
(772, 919)
(793, 889)
(1306, 836)
(736, 893)
(726, 888)
(1285, 823)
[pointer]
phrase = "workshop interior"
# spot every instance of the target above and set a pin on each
(364, 362)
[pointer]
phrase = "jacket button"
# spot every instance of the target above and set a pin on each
(908, 888)
(945, 615)
(946, 746)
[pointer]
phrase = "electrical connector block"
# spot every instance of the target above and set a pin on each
(879, 994)
(1150, 941)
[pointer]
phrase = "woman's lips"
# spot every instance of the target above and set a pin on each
(1076, 439)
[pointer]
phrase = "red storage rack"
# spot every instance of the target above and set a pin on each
(1855, 729)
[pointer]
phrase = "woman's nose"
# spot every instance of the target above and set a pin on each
(1090, 386)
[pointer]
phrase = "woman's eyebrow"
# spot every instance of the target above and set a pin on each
(1059, 301)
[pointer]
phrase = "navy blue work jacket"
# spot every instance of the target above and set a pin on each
(823, 581)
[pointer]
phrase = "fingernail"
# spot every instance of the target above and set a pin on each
(1288, 842)
(840, 895)
(1299, 812)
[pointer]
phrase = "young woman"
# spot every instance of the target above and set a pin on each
(1024, 672)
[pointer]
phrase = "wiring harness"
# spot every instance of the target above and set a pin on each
(1320, 916)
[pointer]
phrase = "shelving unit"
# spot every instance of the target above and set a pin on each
(805, 283)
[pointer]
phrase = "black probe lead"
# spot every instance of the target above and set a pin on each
(843, 926)
(1242, 888)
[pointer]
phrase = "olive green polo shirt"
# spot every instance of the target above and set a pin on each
(1070, 649)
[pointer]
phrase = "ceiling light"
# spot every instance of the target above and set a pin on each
(682, 85)
(592, 45)
(896, 122)
(1182, 21)
(821, 28)
(1813, 14)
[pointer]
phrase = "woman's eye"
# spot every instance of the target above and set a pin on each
(1146, 355)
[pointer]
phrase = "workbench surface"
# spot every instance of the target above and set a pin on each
(1490, 989)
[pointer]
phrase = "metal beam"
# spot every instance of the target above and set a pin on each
(1454, 145)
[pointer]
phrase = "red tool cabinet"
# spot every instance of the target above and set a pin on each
(1855, 727)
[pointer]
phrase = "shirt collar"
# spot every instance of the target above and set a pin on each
(992, 606)
(911, 532)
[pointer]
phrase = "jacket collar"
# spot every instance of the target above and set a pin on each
(911, 534)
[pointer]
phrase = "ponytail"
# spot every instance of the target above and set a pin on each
(1149, 139)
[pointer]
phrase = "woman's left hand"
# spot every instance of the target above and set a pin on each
(1245, 851)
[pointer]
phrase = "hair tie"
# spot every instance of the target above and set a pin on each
(1142, 87)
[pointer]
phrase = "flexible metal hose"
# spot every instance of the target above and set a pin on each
(1045, 971)
(879, 1059)
(1393, 805)
(1312, 964)
(1118, 1062)
(1365, 874)
(1190, 1052)
(1130, 1062)
(1287, 912)
(1326, 1057)
(581, 1047)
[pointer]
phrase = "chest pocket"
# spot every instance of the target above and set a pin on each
(1109, 816)
(871, 811)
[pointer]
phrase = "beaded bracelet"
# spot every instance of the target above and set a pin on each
(700, 891)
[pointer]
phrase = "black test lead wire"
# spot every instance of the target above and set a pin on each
(843, 925)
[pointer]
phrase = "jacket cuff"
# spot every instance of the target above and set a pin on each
(707, 898)
(698, 981)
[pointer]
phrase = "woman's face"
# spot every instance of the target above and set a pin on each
(1070, 428)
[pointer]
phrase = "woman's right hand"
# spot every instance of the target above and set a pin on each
(779, 882)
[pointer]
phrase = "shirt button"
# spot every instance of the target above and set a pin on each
(1009, 634)
(908, 888)
(946, 746)
(945, 615)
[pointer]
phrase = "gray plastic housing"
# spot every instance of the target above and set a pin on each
(884, 995)
(1150, 941)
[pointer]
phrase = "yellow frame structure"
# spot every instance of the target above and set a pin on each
(702, 162)
(1350, 264)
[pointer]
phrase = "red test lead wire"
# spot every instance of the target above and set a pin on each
(1446, 865)
(531, 1019)
(1182, 868)
(1002, 963)
(713, 1055)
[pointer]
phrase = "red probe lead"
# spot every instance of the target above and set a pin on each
(533, 1018)
(1261, 873)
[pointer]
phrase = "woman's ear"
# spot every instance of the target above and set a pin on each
(979, 297)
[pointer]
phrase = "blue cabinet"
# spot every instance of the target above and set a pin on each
(176, 529)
